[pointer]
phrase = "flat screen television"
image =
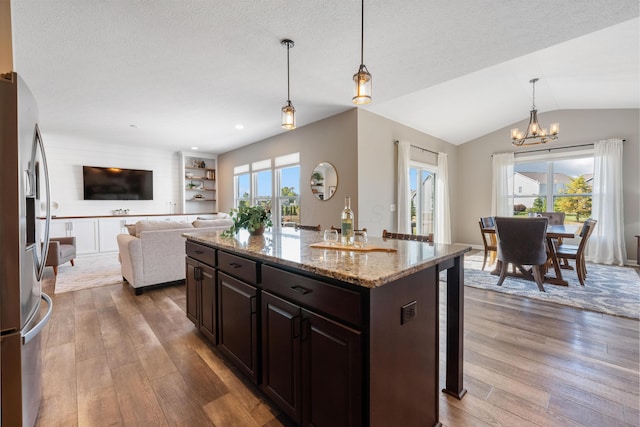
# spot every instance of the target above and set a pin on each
(117, 184)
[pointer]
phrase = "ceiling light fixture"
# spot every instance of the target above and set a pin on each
(535, 133)
(288, 112)
(362, 79)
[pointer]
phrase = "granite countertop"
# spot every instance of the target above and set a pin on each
(290, 247)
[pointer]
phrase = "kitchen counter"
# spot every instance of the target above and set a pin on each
(331, 336)
(368, 269)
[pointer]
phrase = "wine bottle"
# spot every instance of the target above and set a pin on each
(346, 223)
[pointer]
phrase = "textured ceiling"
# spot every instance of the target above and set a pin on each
(185, 73)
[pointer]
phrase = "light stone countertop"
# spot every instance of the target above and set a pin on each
(290, 247)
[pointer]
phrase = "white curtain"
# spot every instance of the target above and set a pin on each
(606, 244)
(502, 185)
(403, 203)
(442, 217)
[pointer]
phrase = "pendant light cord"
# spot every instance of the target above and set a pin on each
(362, 35)
(288, 84)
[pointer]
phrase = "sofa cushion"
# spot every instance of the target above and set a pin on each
(131, 228)
(203, 223)
(146, 225)
(219, 215)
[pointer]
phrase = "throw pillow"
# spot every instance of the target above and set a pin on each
(131, 228)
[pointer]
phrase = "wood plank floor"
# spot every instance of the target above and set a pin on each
(113, 358)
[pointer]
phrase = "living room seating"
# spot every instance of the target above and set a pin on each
(567, 252)
(522, 241)
(155, 254)
(61, 250)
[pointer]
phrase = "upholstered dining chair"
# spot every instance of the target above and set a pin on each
(555, 218)
(61, 250)
(488, 240)
(307, 227)
(522, 241)
(402, 236)
(567, 252)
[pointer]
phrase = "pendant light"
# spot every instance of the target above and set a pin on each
(362, 79)
(535, 134)
(288, 111)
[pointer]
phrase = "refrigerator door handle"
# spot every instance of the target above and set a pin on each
(38, 145)
(41, 324)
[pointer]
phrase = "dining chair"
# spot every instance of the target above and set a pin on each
(402, 236)
(555, 218)
(307, 227)
(567, 252)
(339, 230)
(522, 241)
(488, 240)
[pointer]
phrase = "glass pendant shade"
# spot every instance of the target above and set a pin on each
(362, 86)
(288, 116)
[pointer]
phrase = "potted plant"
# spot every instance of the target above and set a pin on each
(252, 218)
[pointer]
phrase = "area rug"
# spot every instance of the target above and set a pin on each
(608, 289)
(90, 271)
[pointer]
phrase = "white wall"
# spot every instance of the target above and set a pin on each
(66, 156)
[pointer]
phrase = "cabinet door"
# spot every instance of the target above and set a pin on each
(332, 373)
(86, 232)
(281, 376)
(109, 229)
(237, 335)
(192, 291)
(208, 304)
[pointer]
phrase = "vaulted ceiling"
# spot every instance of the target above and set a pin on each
(178, 74)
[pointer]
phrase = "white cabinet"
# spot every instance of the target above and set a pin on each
(85, 231)
(109, 229)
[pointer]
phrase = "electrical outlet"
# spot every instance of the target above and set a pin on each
(393, 207)
(408, 312)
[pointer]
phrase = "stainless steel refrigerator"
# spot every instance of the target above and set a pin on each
(24, 308)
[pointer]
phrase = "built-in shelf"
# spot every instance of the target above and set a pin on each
(203, 177)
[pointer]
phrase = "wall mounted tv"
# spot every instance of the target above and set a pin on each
(117, 184)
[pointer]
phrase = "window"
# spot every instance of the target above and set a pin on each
(422, 187)
(555, 185)
(254, 185)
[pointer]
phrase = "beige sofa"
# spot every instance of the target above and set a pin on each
(154, 251)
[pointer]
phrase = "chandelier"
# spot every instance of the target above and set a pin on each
(535, 133)
(362, 79)
(288, 111)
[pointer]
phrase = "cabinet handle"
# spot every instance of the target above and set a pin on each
(252, 304)
(234, 265)
(199, 252)
(197, 273)
(294, 323)
(301, 290)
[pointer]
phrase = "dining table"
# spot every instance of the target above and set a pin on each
(554, 232)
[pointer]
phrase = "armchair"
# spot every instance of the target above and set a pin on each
(61, 250)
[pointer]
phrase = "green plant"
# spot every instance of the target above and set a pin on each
(317, 176)
(250, 218)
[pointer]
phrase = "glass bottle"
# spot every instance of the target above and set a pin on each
(346, 223)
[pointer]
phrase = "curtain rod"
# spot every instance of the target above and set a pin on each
(395, 141)
(559, 148)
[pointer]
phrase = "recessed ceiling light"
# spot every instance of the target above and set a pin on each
(194, 148)
(239, 126)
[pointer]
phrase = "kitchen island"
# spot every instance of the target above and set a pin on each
(333, 337)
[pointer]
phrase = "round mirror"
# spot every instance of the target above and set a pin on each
(324, 181)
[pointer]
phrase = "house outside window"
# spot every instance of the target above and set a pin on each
(555, 185)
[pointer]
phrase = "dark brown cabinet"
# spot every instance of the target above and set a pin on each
(311, 365)
(238, 335)
(201, 290)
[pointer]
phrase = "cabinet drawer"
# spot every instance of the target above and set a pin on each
(238, 267)
(201, 253)
(341, 303)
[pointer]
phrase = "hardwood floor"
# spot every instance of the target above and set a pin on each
(113, 358)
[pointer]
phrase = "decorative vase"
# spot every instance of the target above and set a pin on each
(257, 231)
